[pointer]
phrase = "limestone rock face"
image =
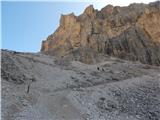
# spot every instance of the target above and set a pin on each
(131, 33)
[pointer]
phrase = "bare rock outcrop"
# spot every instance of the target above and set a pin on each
(131, 33)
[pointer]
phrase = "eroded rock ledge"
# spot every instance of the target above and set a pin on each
(131, 33)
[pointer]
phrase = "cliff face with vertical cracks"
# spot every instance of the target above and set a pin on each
(131, 33)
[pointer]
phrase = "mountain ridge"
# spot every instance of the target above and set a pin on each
(131, 33)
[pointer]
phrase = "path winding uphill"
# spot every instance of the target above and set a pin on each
(61, 89)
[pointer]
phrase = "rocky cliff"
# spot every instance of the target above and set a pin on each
(131, 33)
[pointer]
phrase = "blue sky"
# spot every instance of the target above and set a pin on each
(26, 24)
